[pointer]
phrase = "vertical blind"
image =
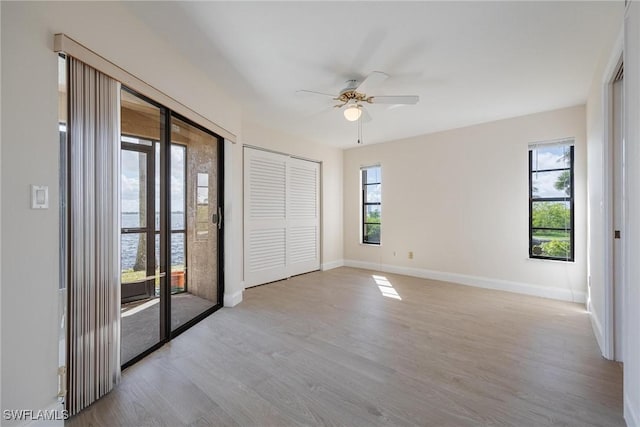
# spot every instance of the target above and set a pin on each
(94, 205)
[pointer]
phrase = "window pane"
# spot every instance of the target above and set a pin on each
(372, 175)
(551, 157)
(203, 180)
(133, 189)
(203, 196)
(375, 175)
(551, 243)
(372, 233)
(178, 186)
(551, 184)
(177, 220)
(371, 204)
(140, 121)
(373, 193)
(177, 251)
(134, 140)
(372, 214)
(133, 257)
(551, 215)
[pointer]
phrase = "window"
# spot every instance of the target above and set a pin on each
(371, 204)
(551, 204)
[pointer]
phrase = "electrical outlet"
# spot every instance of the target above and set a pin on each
(410, 254)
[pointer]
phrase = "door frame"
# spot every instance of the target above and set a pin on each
(149, 151)
(244, 219)
(609, 324)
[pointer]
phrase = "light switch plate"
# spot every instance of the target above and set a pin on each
(39, 197)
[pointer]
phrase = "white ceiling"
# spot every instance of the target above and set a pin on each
(470, 62)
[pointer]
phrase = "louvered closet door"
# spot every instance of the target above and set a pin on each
(303, 217)
(265, 225)
(282, 216)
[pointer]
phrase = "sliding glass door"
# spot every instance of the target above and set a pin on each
(142, 247)
(195, 222)
(170, 225)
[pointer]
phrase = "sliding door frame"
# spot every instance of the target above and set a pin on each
(166, 334)
(164, 235)
(220, 241)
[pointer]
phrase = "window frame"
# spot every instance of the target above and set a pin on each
(570, 199)
(364, 204)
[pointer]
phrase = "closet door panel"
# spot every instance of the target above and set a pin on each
(265, 219)
(303, 219)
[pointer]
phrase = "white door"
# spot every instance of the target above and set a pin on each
(282, 216)
(303, 217)
(265, 217)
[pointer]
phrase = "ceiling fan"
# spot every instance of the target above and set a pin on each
(355, 95)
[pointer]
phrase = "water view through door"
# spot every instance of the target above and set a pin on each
(170, 225)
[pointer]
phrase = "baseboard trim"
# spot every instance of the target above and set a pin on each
(475, 281)
(231, 300)
(332, 264)
(597, 331)
(630, 414)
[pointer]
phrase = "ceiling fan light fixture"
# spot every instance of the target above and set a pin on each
(352, 113)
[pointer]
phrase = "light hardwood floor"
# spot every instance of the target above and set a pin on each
(336, 348)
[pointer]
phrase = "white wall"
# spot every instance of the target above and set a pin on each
(331, 158)
(599, 230)
(599, 189)
(632, 182)
(459, 200)
(233, 220)
(29, 155)
(29, 237)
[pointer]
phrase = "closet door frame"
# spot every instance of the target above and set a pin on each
(287, 270)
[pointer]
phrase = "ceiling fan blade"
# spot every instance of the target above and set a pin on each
(312, 92)
(372, 81)
(406, 100)
(366, 117)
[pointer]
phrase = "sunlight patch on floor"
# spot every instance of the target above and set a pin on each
(139, 308)
(386, 288)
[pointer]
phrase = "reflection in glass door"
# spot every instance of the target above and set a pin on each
(138, 233)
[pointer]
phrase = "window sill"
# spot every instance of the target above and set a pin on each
(375, 245)
(551, 260)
